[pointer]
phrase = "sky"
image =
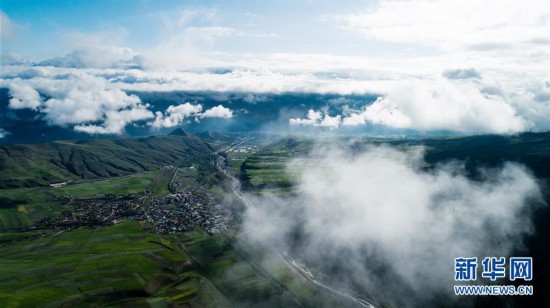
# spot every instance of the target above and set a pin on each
(467, 66)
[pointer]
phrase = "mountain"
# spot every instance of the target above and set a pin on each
(42, 164)
(178, 132)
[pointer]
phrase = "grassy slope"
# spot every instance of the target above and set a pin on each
(125, 264)
(98, 267)
(42, 164)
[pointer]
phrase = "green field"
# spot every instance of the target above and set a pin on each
(124, 264)
(236, 159)
(231, 271)
(98, 267)
(154, 181)
(23, 206)
(267, 170)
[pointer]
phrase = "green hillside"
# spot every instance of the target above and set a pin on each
(58, 161)
(118, 265)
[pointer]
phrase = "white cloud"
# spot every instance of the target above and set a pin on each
(23, 95)
(472, 105)
(453, 25)
(91, 104)
(178, 19)
(460, 105)
(218, 112)
(533, 104)
(3, 133)
(313, 117)
(441, 105)
(13, 58)
(115, 121)
(461, 73)
(188, 39)
(380, 112)
(392, 222)
(98, 57)
(99, 49)
(111, 35)
(175, 115)
(317, 118)
(9, 28)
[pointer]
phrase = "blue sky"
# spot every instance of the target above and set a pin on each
(270, 26)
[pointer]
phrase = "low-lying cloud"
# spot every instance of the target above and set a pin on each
(317, 118)
(382, 225)
(177, 115)
(218, 112)
(461, 100)
(92, 104)
(3, 133)
(459, 103)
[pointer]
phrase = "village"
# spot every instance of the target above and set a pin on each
(176, 212)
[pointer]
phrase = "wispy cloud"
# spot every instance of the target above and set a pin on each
(9, 29)
(452, 25)
(3, 133)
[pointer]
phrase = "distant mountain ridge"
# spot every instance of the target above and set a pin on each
(42, 164)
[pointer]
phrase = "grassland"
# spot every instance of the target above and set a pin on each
(98, 267)
(230, 270)
(125, 265)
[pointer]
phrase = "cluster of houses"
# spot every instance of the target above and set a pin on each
(184, 211)
(94, 212)
(171, 213)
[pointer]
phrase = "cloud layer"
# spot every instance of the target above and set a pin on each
(90, 103)
(376, 221)
(462, 102)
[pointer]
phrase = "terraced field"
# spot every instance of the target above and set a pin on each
(266, 172)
